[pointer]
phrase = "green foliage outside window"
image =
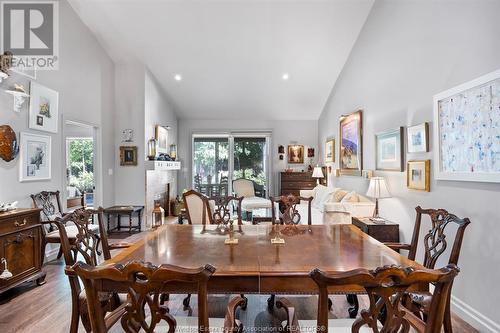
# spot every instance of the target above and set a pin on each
(81, 164)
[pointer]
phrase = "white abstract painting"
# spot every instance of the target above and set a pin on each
(468, 124)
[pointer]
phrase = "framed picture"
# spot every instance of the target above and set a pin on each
(330, 151)
(389, 150)
(44, 108)
(295, 154)
(351, 144)
(35, 151)
(310, 152)
(128, 155)
(418, 175)
(467, 131)
(418, 138)
(161, 136)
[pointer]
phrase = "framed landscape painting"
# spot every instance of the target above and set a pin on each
(351, 146)
(418, 138)
(44, 108)
(418, 175)
(467, 131)
(35, 158)
(330, 151)
(389, 150)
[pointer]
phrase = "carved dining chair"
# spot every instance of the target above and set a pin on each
(83, 244)
(198, 208)
(386, 287)
(144, 284)
(223, 209)
(289, 215)
(50, 204)
(435, 244)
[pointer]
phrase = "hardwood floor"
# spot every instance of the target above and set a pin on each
(33, 309)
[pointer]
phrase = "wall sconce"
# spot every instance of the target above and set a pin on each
(20, 96)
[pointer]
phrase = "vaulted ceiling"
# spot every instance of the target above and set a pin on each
(232, 54)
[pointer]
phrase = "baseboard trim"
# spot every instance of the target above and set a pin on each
(473, 317)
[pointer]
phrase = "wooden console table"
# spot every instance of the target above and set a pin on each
(125, 210)
(20, 246)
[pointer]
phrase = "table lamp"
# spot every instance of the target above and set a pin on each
(318, 174)
(378, 190)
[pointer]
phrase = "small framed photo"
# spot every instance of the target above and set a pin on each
(389, 150)
(418, 175)
(330, 151)
(128, 155)
(35, 157)
(44, 108)
(418, 138)
(296, 154)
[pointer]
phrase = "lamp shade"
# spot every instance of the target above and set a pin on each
(378, 188)
(317, 172)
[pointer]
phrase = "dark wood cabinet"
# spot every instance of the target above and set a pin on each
(387, 232)
(20, 245)
(293, 182)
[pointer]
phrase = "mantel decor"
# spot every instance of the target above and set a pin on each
(161, 136)
(467, 131)
(351, 144)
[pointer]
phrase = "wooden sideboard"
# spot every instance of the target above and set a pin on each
(293, 182)
(20, 245)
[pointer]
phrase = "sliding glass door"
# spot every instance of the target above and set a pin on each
(211, 165)
(220, 158)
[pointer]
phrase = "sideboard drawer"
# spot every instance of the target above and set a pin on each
(18, 222)
(295, 176)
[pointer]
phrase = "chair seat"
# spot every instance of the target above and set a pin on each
(251, 203)
(334, 325)
(71, 230)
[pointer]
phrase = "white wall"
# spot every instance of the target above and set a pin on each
(284, 132)
(85, 82)
(407, 52)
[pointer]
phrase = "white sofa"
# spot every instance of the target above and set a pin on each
(334, 205)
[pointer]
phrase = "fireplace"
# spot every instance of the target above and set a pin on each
(161, 187)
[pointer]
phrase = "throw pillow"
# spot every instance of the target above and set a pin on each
(338, 195)
(351, 197)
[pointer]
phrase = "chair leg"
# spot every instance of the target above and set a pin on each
(448, 328)
(352, 299)
(60, 253)
(186, 301)
(164, 298)
(244, 305)
(270, 302)
(75, 316)
(330, 304)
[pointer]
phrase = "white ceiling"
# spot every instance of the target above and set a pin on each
(232, 54)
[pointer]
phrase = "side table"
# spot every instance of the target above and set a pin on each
(125, 210)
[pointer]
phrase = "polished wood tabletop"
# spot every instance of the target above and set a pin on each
(257, 265)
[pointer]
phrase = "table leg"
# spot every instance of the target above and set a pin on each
(108, 222)
(139, 217)
(119, 222)
(130, 223)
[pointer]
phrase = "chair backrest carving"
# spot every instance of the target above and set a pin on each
(290, 214)
(435, 242)
(386, 287)
(50, 204)
(86, 240)
(197, 208)
(223, 209)
(144, 283)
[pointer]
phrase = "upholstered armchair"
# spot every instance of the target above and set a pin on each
(245, 188)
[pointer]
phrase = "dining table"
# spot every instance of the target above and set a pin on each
(255, 265)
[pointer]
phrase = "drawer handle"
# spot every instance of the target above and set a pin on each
(17, 224)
